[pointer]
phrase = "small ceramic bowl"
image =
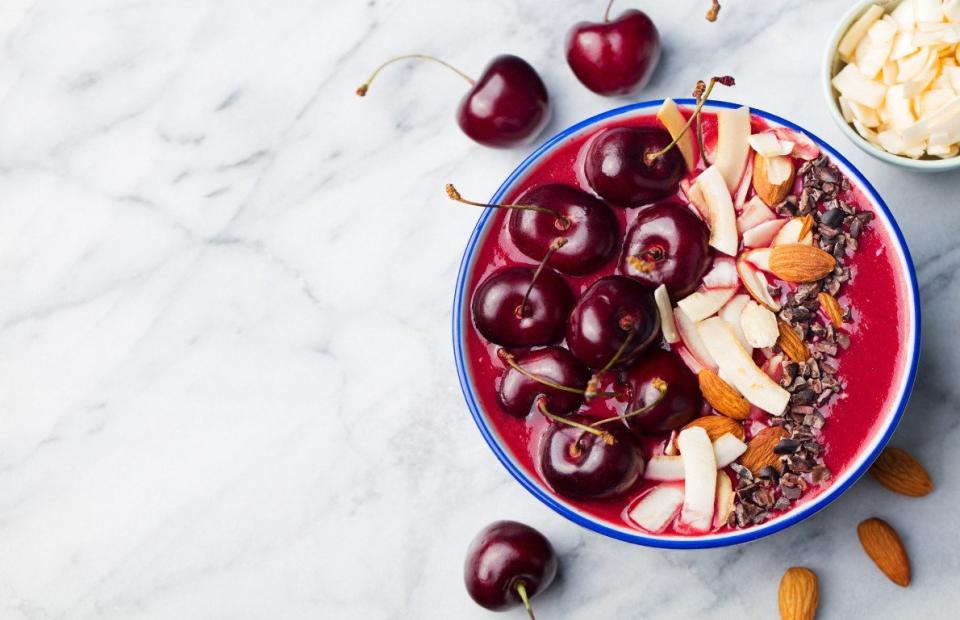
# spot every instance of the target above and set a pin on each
(871, 446)
(832, 64)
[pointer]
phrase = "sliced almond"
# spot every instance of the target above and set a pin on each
(791, 344)
(760, 452)
(882, 544)
(806, 225)
(897, 470)
(799, 594)
(725, 499)
(773, 178)
(724, 398)
(717, 426)
(831, 306)
(796, 262)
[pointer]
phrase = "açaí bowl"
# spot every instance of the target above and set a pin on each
(866, 452)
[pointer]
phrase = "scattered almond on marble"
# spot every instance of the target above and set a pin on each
(883, 545)
(897, 470)
(799, 594)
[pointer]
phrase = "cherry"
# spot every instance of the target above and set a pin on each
(662, 411)
(522, 306)
(507, 564)
(587, 465)
(667, 244)
(614, 57)
(633, 166)
(508, 105)
(543, 214)
(552, 373)
(613, 322)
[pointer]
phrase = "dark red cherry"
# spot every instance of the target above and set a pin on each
(588, 225)
(671, 409)
(502, 317)
(667, 244)
(552, 373)
(583, 465)
(508, 105)
(614, 57)
(618, 165)
(613, 310)
(507, 564)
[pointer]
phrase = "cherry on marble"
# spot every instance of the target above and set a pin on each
(507, 564)
(614, 57)
(508, 106)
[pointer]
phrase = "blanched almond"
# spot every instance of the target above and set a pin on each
(773, 178)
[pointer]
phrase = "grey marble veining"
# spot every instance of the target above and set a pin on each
(226, 377)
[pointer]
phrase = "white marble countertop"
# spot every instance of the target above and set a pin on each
(226, 381)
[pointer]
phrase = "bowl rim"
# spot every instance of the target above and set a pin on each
(539, 490)
(830, 54)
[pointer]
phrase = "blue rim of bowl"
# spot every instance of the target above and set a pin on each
(710, 540)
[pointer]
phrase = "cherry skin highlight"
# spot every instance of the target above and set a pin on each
(612, 310)
(506, 563)
(499, 312)
(582, 465)
(667, 244)
(669, 411)
(508, 106)
(614, 57)
(588, 225)
(618, 170)
(519, 391)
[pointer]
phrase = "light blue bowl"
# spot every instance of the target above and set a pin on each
(889, 419)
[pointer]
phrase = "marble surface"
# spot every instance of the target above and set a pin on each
(226, 381)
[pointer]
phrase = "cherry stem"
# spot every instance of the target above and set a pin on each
(604, 435)
(556, 245)
(363, 88)
(562, 222)
(521, 589)
(606, 14)
(647, 260)
(701, 95)
(661, 387)
(511, 361)
(713, 11)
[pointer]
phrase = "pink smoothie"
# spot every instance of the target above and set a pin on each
(868, 369)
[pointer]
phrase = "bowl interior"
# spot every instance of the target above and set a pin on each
(832, 64)
(872, 447)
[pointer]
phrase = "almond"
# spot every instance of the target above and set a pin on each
(806, 225)
(773, 178)
(883, 545)
(832, 307)
(717, 426)
(791, 344)
(722, 396)
(760, 452)
(901, 473)
(799, 594)
(796, 262)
